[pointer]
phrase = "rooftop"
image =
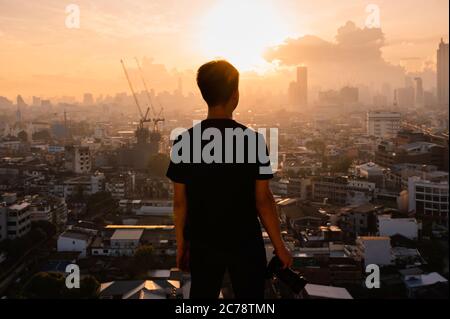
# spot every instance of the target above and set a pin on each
(415, 281)
(127, 234)
(20, 206)
(329, 292)
(75, 235)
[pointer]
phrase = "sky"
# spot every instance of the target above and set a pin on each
(41, 55)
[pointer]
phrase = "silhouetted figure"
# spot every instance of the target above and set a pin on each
(218, 197)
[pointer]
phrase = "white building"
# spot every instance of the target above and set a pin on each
(147, 207)
(78, 159)
(313, 291)
(383, 124)
(407, 227)
(49, 208)
(374, 250)
(72, 240)
(125, 241)
(428, 200)
(415, 283)
(18, 220)
(88, 185)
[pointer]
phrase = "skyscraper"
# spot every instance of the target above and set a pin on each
(88, 99)
(302, 84)
(442, 74)
(419, 92)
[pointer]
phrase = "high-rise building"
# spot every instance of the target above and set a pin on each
(442, 74)
(302, 82)
(406, 97)
(36, 101)
(383, 124)
(419, 92)
(349, 95)
(88, 99)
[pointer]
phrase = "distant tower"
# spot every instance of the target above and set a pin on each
(395, 104)
(88, 99)
(442, 74)
(20, 104)
(302, 84)
(419, 92)
(180, 87)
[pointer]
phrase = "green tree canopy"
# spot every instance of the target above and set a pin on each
(157, 165)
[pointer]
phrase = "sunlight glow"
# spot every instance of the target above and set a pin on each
(240, 31)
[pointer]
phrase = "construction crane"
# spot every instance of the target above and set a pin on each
(156, 118)
(143, 117)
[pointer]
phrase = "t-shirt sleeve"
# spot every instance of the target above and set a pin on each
(177, 171)
(264, 167)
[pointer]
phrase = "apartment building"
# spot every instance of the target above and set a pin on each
(383, 124)
(428, 200)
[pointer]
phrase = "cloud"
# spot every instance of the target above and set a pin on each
(356, 55)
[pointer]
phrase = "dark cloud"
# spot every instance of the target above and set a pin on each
(355, 56)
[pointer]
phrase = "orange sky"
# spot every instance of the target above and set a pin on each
(39, 55)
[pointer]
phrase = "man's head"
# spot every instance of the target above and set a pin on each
(218, 82)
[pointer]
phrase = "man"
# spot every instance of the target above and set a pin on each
(217, 203)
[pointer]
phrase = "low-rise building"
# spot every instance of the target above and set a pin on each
(417, 284)
(18, 220)
(313, 291)
(374, 250)
(74, 240)
(428, 200)
(389, 226)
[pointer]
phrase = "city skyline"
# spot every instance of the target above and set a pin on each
(41, 56)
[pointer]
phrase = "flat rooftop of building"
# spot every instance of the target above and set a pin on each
(165, 227)
(414, 281)
(75, 235)
(374, 238)
(127, 234)
(327, 292)
(20, 206)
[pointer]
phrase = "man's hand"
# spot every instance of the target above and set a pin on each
(180, 211)
(285, 256)
(267, 210)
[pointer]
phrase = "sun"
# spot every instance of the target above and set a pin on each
(240, 31)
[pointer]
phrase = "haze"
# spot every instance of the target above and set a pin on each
(266, 39)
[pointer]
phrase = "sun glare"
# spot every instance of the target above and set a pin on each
(240, 31)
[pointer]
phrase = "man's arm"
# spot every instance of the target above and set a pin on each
(267, 211)
(180, 211)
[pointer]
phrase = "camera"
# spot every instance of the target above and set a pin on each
(290, 278)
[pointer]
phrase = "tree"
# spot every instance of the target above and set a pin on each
(23, 136)
(42, 135)
(48, 228)
(157, 165)
(318, 146)
(144, 258)
(45, 285)
(52, 285)
(342, 165)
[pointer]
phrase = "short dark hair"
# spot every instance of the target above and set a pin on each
(217, 80)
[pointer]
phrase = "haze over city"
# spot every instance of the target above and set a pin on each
(266, 40)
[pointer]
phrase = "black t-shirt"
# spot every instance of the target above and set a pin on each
(220, 174)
